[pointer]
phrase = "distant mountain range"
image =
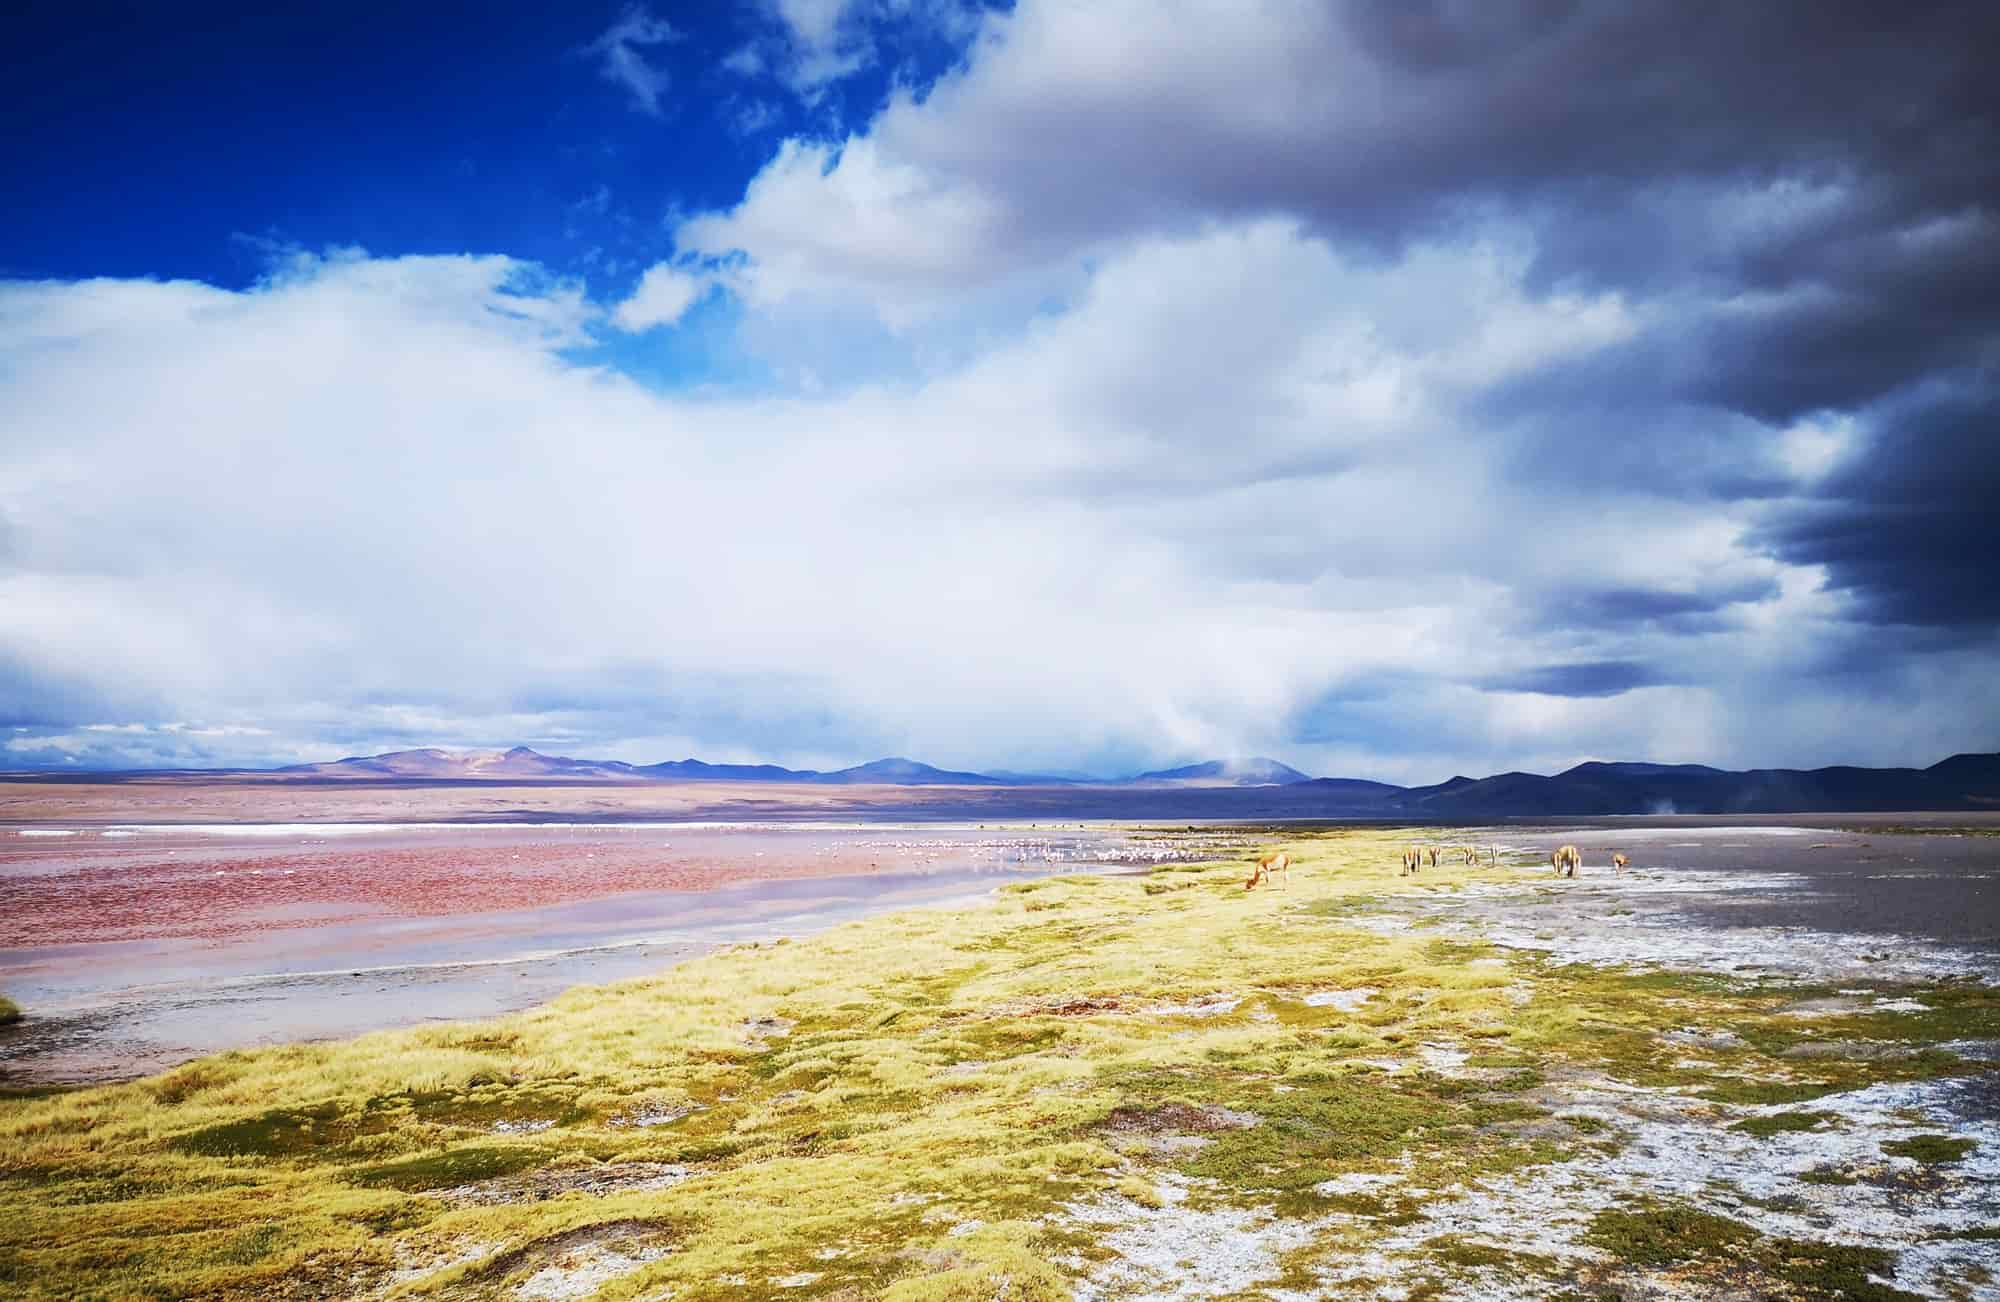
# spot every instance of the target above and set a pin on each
(1246, 788)
(1257, 772)
(1961, 782)
(1268, 788)
(523, 764)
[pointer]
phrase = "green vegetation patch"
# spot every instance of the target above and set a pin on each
(1314, 1134)
(1835, 1270)
(1654, 1232)
(1326, 1126)
(321, 1130)
(10, 1012)
(281, 1132)
(1460, 1253)
(455, 1167)
(1659, 1234)
(481, 1107)
(1339, 907)
(1952, 1011)
(1930, 1149)
(1457, 951)
(1779, 1123)
(249, 1246)
(1763, 1092)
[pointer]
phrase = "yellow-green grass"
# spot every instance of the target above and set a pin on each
(10, 1012)
(852, 1099)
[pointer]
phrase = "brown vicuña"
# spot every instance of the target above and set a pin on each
(1278, 861)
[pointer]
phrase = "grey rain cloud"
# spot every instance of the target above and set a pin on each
(1624, 607)
(1590, 678)
(1908, 528)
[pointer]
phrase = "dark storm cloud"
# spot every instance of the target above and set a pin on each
(1860, 659)
(1585, 678)
(1827, 173)
(1827, 177)
(1602, 101)
(1909, 528)
(35, 695)
(1603, 122)
(1699, 609)
(1858, 323)
(1617, 420)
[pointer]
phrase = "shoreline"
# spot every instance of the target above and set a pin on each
(335, 977)
(139, 952)
(35, 1054)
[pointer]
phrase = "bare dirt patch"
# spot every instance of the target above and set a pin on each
(551, 1182)
(1059, 1006)
(759, 1029)
(575, 1264)
(1179, 1119)
(1180, 1250)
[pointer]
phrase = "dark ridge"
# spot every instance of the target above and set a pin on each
(1256, 788)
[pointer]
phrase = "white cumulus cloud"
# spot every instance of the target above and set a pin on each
(662, 296)
(620, 51)
(1236, 498)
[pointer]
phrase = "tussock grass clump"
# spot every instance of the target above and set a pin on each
(1759, 1092)
(456, 1167)
(1836, 1270)
(1663, 1234)
(1142, 1191)
(1653, 1232)
(1781, 1123)
(1930, 1149)
(10, 1012)
(281, 1132)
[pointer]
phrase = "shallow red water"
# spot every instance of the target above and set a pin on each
(136, 948)
(153, 885)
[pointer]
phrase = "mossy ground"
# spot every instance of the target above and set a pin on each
(903, 1107)
(1778, 1123)
(1931, 1149)
(1657, 1233)
(1670, 1234)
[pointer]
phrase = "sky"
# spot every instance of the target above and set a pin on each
(1397, 389)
